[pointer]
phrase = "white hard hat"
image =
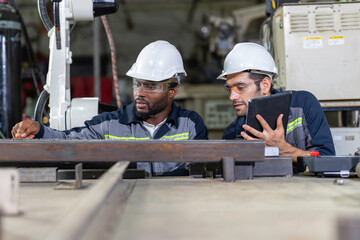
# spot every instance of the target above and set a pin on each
(157, 61)
(249, 56)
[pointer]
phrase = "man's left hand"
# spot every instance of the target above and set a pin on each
(274, 138)
(271, 137)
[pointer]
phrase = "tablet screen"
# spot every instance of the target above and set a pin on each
(269, 107)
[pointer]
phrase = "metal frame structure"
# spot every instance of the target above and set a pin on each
(55, 152)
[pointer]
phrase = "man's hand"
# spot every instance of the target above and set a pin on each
(271, 137)
(26, 129)
(274, 138)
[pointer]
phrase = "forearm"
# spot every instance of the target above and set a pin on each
(287, 150)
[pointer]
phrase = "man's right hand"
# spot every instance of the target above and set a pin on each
(26, 129)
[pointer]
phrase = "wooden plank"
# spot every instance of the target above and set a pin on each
(35, 151)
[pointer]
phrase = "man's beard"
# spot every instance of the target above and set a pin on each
(242, 114)
(157, 107)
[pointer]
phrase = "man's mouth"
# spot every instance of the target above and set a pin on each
(140, 104)
(238, 105)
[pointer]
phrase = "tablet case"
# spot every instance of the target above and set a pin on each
(269, 107)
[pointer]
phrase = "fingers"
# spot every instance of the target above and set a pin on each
(251, 130)
(17, 130)
(247, 137)
(263, 123)
(14, 130)
(279, 123)
(25, 130)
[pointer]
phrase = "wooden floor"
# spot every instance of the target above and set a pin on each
(182, 208)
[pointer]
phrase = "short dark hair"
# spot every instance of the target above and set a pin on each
(258, 77)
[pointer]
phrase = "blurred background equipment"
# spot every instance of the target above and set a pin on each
(10, 62)
(316, 44)
(316, 48)
(62, 114)
(203, 31)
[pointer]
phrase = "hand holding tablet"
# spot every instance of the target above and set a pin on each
(269, 107)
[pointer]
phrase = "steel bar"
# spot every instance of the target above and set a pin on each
(109, 216)
(229, 167)
(78, 176)
(43, 174)
(77, 221)
(272, 167)
(94, 151)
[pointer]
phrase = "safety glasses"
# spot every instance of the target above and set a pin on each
(239, 88)
(153, 87)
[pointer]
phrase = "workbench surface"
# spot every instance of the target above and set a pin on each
(301, 207)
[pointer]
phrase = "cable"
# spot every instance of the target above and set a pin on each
(113, 59)
(40, 110)
(34, 64)
(44, 15)
(73, 26)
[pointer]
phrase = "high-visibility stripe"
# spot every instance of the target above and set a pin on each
(183, 138)
(176, 135)
(107, 137)
(180, 136)
(293, 124)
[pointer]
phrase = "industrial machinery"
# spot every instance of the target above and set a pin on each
(10, 61)
(316, 48)
(316, 45)
(64, 112)
(217, 37)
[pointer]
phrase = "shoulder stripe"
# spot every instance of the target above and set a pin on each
(293, 124)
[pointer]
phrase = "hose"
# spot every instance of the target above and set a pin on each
(113, 59)
(44, 15)
(40, 106)
(57, 25)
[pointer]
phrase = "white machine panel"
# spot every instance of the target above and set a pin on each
(317, 49)
(346, 140)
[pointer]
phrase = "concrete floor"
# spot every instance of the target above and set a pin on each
(265, 208)
(183, 208)
(41, 208)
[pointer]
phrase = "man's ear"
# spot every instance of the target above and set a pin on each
(173, 92)
(265, 86)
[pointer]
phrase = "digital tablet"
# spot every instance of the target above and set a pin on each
(269, 107)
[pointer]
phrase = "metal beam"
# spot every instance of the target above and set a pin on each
(76, 222)
(96, 151)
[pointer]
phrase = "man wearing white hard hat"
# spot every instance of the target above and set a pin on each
(249, 71)
(157, 74)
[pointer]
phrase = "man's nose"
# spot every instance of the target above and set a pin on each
(233, 95)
